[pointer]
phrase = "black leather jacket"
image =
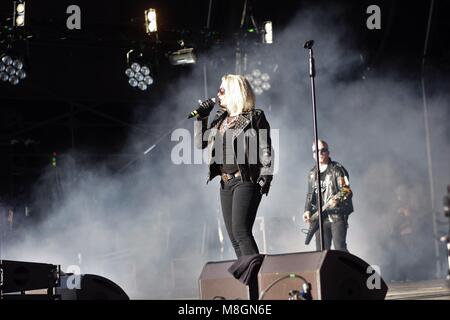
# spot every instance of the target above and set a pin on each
(248, 124)
(335, 179)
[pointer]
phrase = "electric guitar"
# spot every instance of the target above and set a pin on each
(314, 219)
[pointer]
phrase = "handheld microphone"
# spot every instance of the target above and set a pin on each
(197, 111)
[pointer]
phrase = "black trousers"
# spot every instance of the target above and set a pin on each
(240, 201)
(336, 231)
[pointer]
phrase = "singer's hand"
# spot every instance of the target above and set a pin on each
(205, 108)
(264, 182)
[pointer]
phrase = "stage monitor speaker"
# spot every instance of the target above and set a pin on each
(92, 287)
(332, 274)
(20, 276)
(216, 283)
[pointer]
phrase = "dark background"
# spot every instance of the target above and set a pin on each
(76, 96)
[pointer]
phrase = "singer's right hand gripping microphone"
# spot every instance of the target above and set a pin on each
(205, 108)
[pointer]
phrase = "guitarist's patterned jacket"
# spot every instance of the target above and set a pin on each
(336, 179)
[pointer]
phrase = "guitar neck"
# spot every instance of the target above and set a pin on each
(328, 204)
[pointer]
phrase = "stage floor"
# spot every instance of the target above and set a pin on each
(419, 290)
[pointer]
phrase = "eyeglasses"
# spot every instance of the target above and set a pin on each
(221, 91)
(323, 150)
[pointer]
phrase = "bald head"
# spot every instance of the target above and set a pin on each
(321, 142)
(324, 153)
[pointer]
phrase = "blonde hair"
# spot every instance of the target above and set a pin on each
(239, 94)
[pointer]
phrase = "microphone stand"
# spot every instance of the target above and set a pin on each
(312, 73)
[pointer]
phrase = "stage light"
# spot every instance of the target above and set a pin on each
(54, 159)
(42, 281)
(182, 57)
(12, 69)
(19, 14)
(138, 72)
(150, 21)
(145, 70)
(259, 81)
(267, 32)
(260, 74)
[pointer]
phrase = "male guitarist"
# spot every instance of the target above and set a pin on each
(336, 201)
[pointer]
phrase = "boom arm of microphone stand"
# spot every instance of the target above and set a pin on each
(147, 151)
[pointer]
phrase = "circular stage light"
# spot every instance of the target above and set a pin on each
(142, 85)
(259, 81)
(148, 80)
(12, 69)
(133, 82)
(139, 70)
(135, 67)
(139, 76)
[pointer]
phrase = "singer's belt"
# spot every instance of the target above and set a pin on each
(228, 176)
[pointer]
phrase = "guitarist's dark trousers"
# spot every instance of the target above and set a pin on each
(336, 231)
